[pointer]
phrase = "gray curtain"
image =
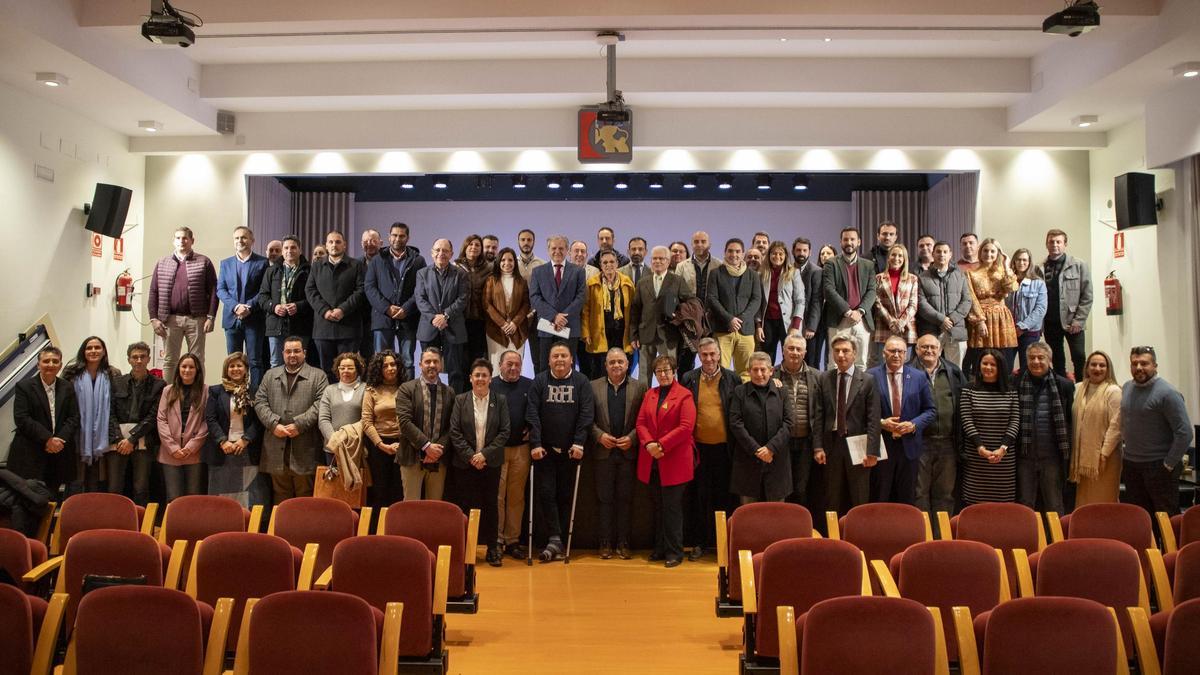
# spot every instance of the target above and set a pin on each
(269, 210)
(314, 214)
(906, 208)
(952, 207)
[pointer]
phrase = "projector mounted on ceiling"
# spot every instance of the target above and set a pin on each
(169, 26)
(1079, 17)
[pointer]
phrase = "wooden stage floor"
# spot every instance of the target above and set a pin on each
(595, 616)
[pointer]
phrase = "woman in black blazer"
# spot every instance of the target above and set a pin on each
(234, 437)
(43, 447)
(476, 459)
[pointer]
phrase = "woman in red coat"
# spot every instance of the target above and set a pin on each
(666, 461)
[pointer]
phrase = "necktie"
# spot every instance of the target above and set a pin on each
(842, 389)
(896, 394)
(657, 284)
(637, 273)
(558, 275)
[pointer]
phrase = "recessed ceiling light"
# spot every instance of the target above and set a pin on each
(620, 182)
(655, 182)
(783, 39)
(763, 182)
(724, 181)
(577, 182)
(1084, 121)
(439, 183)
(407, 183)
(53, 79)
(553, 181)
(689, 181)
(828, 39)
(150, 125)
(800, 183)
(519, 181)
(1189, 69)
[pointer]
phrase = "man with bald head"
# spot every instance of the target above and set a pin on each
(274, 252)
(655, 299)
(579, 256)
(442, 292)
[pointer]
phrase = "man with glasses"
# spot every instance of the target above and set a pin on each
(937, 468)
(1153, 456)
(906, 408)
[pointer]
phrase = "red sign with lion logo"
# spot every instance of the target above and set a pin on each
(605, 141)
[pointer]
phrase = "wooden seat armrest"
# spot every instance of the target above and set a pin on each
(866, 575)
(1024, 574)
(884, 576)
(1121, 667)
(149, 517)
(308, 564)
(389, 651)
(175, 564)
(1005, 592)
(379, 529)
(749, 595)
(1055, 523)
(218, 634)
(241, 661)
(789, 661)
(46, 524)
(1143, 641)
(364, 521)
(472, 537)
(964, 633)
(47, 640)
(928, 526)
(1162, 583)
(326, 578)
(832, 529)
(441, 580)
(722, 540)
(944, 529)
(1166, 532)
(37, 573)
(941, 659)
(256, 516)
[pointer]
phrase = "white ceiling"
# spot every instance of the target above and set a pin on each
(275, 59)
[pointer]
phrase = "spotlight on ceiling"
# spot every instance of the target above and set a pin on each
(1084, 121)
(519, 181)
(1189, 69)
(577, 182)
(689, 181)
(828, 39)
(763, 182)
(554, 181)
(53, 79)
(439, 182)
(407, 183)
(800, 183)
(655, 182)
(150, 125)
(724, 181)
(620, 182)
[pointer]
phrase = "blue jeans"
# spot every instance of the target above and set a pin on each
(252, 337)
(402, 340)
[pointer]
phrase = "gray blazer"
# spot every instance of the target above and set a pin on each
(791, 298)
(462, 430)
(833, 286)
(727, 298)
(1074, 291)
(447, 295)
(410, 415)
(650, 317)
(943, 296)
(635, 390)
(276, 404)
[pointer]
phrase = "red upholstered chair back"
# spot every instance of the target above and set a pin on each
(138, 630)
(242, 565)
(388, 568)
(1181, 654)
(15, 555)
(434, 524)
(1123, 522)
(801, 573)
(95, 511)
(194, 517)
(946, 574)
(868, 635)
(108, 553)
(1049, 636)
(754, 527)
(314, 520)
(883, 530)
(1103, 570)
(999, 525)
(16, 639)
(1189, 527)
(312, 632)
(1187, 573)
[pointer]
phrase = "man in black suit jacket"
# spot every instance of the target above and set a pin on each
(47, 419)
(477, 458)
(650, 313)
(442, 294)
(617, 399)
(424, 407)
(335, 292)
(848, 284)
(851, 404)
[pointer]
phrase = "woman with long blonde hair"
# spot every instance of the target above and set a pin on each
(783, 293)
(896, 296)
(990, 324)
(1096, 441)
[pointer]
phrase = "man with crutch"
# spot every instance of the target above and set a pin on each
(559, 413)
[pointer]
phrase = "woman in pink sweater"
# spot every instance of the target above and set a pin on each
(183, 429)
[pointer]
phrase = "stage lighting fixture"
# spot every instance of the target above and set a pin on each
(577, 182)
(690, 181)
(655, 182)
(553, 181)
(519, 181)
(620, 182)
(800, 183)
(764, 181)
(724, 181)
(439, 183)
(407, 183)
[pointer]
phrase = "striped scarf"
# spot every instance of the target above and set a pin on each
(1027, 392)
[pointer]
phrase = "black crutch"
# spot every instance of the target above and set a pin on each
(529, 552)
(571, 524)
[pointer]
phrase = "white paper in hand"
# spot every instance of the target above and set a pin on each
(548, 327)
(858, 449)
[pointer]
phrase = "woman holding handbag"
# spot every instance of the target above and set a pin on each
(234, 437)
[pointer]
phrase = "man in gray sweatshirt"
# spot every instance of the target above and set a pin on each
(1153, 454)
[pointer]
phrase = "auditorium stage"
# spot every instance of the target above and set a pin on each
(595, 616)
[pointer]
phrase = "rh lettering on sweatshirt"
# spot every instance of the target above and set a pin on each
(560, 393)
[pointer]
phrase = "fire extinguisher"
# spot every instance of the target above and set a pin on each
(1112, 294)
(124, 292)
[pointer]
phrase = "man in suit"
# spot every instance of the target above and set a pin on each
(801, 382)
(615, 443)
(390, 287)
(735, 297)
(760, 422)
(556, 294)
(654, 302)
(712, 388)
(479, 431)
(906, 407)
(238, 283)
(937, 469)
(286, 404)
(848, 284)
(810, 274)
(335, 292)
(441, 297)
(851, 403)
(636, 268)
(47, 419)
(424, 407)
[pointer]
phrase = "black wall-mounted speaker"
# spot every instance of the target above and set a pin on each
(1135, 200)
(110, 205)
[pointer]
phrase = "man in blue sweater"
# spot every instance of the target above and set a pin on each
(560, 417)
(1153, 455)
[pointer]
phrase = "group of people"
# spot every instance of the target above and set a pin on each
(341, 361)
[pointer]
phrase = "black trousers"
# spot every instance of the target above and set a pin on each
(553, 485)
(385, 488)
(668, 516)
(479, 489)
(847, 485)
(1054, 334)
(327, 351)
(1040, 482)
(816, 345)
(708, 493)
(614, 492)
(895, 478)
(1151, 486)
(802, 461)
(774, 332)
(452, 358)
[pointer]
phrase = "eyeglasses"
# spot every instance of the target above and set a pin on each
(663, 371)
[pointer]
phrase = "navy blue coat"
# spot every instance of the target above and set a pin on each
(916, 406)
(548, 300)
(232, 294)
(385, 288)
(216, 413)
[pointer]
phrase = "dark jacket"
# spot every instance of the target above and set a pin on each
(462, 430)
(833, 284)
(547, 299)
(729, 382)
(730, 297)
(943, 296)
(337, 286)
(879, 256)
(145, 418)
(916, 406)
(216, 413)
(816, 403)
(862, 408)
(410, 415)
(635, 390)
(650, 316)
(958, 382)
(757, 419)
(1066, 395)
(383, 287)
(270, 294)
(447, 295)
(231, 296)
(27, 456)
(811, 274)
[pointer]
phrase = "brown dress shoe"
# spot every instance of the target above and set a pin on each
(605, 550)
(623, 551)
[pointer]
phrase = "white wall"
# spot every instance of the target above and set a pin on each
(1156, 272)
